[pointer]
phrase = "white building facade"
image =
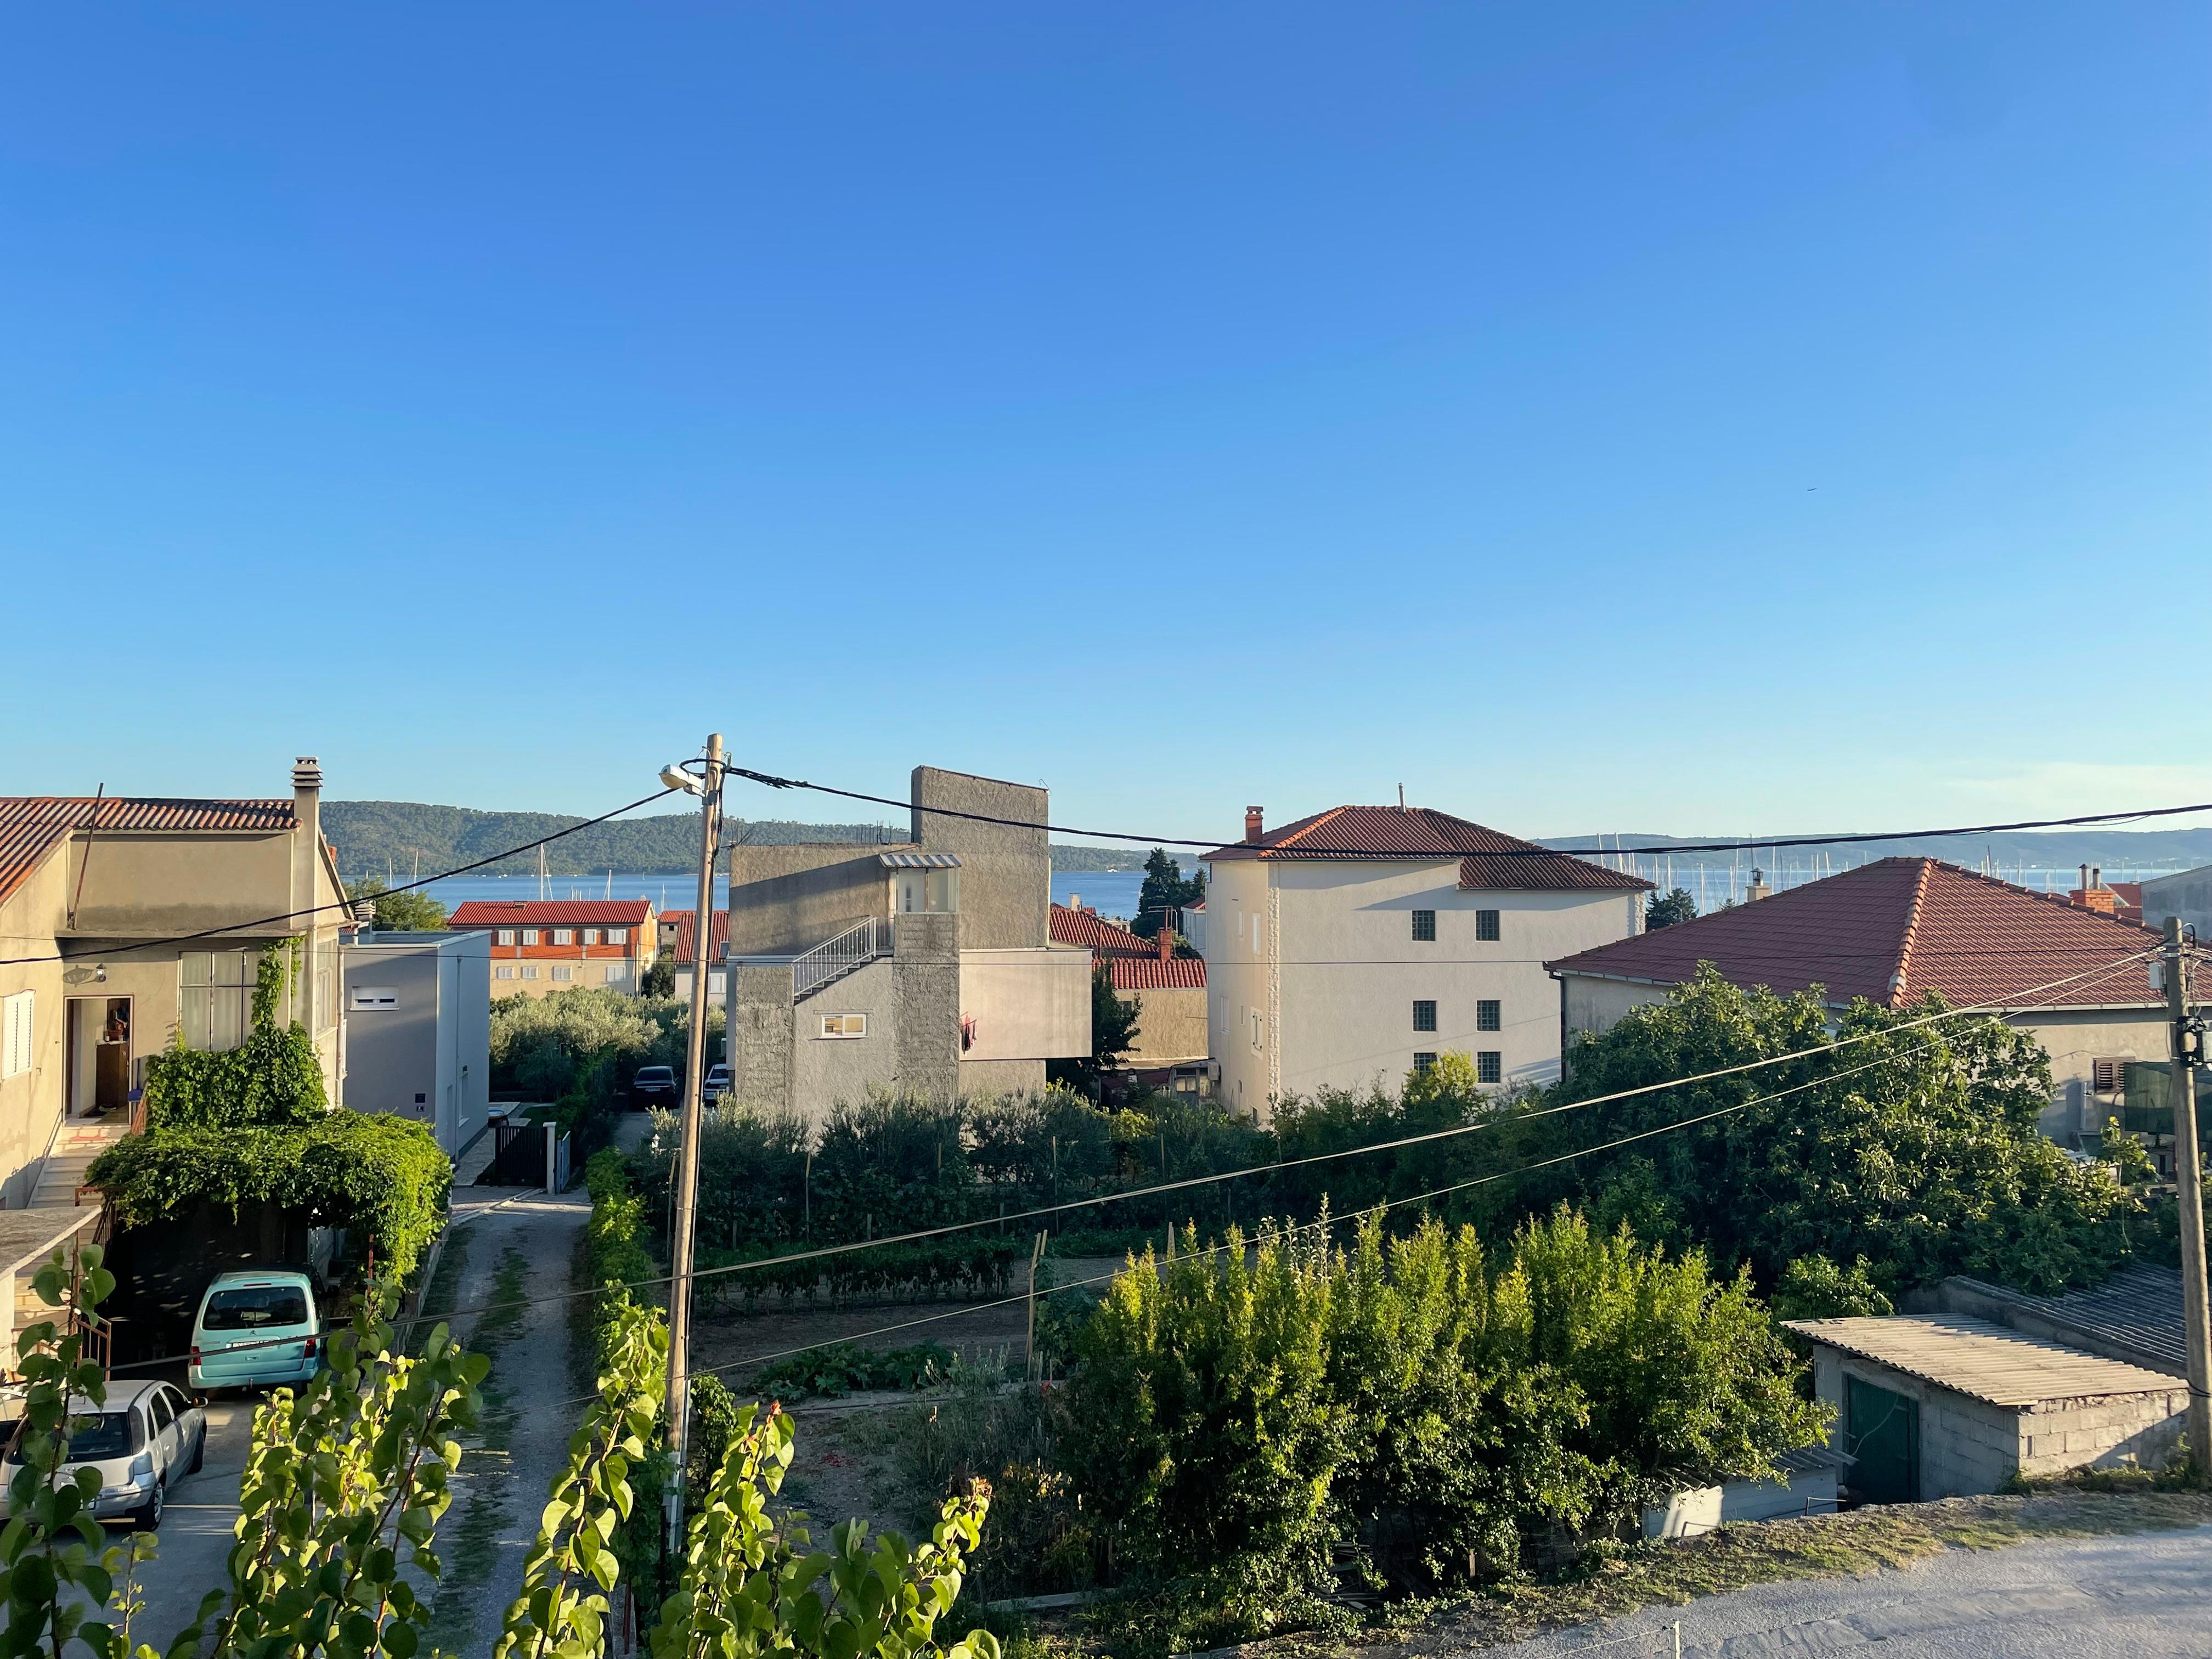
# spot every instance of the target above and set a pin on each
(1355, 946)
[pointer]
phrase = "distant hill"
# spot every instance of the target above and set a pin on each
(2115, 849)
(374, 836)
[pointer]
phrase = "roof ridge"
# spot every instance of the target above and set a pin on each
(1897, 978)
(1313, 823)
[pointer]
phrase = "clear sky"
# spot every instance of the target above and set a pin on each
(1675, 417)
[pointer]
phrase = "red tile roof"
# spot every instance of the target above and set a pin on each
(1151, 974)
(32, 826)
(1066, 927)
(686, 926)
(1894, 930)
(552, 913)
(1489, 860)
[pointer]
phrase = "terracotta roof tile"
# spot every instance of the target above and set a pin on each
(1066, 927)
(685, 924)
(1893, 930)
(1489, 859)
(552, 913)
(32, 826)
(1151, 974)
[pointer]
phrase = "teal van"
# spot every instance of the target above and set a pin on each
(254, 1328)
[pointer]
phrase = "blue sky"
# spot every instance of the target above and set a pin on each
(1691, 418)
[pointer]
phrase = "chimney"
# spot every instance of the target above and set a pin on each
(2085, 881)
(1252, 830)
(1759, 889)
(1166, 941)
(2096, 877)
(1075, 903)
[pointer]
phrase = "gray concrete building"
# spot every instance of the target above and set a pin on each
(2187, 895)
(418, 1029)
(921, 968)
(1951, 1408)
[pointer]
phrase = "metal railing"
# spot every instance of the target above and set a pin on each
(833, 959)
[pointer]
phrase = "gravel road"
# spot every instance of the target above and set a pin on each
(2138, 1595)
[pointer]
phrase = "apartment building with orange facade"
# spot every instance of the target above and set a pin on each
(541, 945)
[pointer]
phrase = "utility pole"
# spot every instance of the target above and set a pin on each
(686, 1218)
(2188, 1043)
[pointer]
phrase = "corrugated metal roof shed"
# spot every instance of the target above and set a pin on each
(1987, 1361)
(2134, 1314)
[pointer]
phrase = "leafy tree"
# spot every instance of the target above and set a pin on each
(1814, 1287)
(412, 911)
(660, 977)
(1165, 889)
(1675, 906)
(1914, 1147)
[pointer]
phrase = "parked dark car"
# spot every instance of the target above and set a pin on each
(654, 1085)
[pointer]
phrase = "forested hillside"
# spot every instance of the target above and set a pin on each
(384, 837)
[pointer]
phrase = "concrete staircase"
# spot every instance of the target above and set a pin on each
(75, 1148)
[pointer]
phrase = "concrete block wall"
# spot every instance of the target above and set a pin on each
(759, 1040)
(2103, 1431)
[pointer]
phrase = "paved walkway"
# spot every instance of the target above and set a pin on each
(2138, 1595)
(506, 1244)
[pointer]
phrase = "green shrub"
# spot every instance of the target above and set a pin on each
(381, 1174)
(1237, 1412)
(841, 1368)
(1814, 1287)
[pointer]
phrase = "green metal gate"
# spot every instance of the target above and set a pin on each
(1882, 1430)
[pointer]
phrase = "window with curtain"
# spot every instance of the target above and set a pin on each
(215, 997)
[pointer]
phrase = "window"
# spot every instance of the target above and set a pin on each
(1424, 1060)
(530, 970)
(505, 970)
(1489, 1017)
(1424, 1016)
(16, 1045)
(159, 1409)
(844, 1026)
(374, 999)
(564, 936)
(530, 936)
(590, 936)
(617, 935)
(215, 997)
(2105, 1076)
(504, 936)
(619, 973)
(718, 984)
(1489, 1066)
(1425, 926)
(563, 972)
(1485, 925)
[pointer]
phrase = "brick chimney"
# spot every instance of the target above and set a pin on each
(1759, 889)
(1166, 942)
(1252, 828)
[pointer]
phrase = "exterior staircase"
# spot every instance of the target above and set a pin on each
(75, 1146)
(828, 963)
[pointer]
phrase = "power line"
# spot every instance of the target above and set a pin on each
(1308, 1226)
(341, 904)
(773, 781)
(1189, 1183)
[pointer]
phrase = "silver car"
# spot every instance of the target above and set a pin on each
(146, 1437)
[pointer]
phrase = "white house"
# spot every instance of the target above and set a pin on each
(1361, 943)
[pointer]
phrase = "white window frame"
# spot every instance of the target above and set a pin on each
(505, 970)
(530, 970)
(530, 936)
(590, 936)
(563, 972)
(503, 936)
(842, 1027)
(372, 999)
(564, 936)
(617, 935)
(19, 1016)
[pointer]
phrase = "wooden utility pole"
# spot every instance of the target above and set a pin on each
(2187, 1045)
(686, 1217)
(1034, 1367)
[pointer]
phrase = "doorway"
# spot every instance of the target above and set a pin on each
(1882, 1431)
(100, 1056)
